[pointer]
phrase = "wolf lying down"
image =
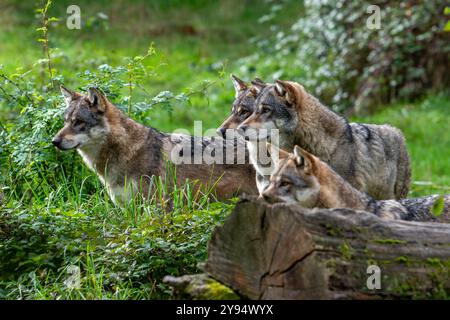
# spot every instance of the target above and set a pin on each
(304, 179)
(126, 155)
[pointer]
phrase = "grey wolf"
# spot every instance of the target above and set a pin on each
(126, 155)
(372, 158)
(242, 108)
(243, 105)
(304, 179)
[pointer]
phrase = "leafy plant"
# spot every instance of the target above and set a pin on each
(55, 214)
(336, 56)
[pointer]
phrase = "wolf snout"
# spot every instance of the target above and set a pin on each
(57, 142)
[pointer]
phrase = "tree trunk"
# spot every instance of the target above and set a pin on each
(287, 252)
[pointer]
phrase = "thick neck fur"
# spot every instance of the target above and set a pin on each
(263, 164)
(319, 128)
(114, 150)
(335, 192)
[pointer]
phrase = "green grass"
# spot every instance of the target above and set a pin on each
(121, 253)
(183, 60)
(59, 215)
(424, 126)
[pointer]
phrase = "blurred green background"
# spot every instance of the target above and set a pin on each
(194, 41)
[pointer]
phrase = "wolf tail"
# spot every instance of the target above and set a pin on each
(403, 178)
(425, 208)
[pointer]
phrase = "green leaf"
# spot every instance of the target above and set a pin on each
(438, 206)
(447, 27)
(447, 10)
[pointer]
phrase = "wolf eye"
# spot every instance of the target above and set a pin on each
(265, 109)
(243, 112)
(80, 124)
(284, 184)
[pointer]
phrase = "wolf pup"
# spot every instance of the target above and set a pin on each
(243, 107)
(126, 155)
(304, 179)
(372, 158)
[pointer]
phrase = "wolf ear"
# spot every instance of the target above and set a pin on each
(239, 85)
(304, 159)
(259, 80)
(258, 85)
(68, 94)
(97, 99)
(292, 93)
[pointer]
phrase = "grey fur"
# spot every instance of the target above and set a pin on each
(373, 158)
(242, 108)
(306, 180)
(127, 155)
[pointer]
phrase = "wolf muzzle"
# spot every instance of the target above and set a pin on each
(57, 142)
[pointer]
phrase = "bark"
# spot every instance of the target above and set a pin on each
(287, 252)
(199, 287)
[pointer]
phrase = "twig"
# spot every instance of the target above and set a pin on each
(23, 92)
(45, 40)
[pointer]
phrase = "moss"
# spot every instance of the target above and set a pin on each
(218, 291)
(403, 288)
(417, 290)
(332, 230)
(371, 262)
(346, 250)
(434, 285)
(330, 264)
(402, 259)
(389, 241)
(436, 262)
(211, 290)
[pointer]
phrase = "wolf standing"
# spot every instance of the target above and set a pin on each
(126, 155)
(372, 158)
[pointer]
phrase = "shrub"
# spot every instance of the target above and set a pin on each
(53, 211)
(331, 51)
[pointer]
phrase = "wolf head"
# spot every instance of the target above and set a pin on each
(275, 108)
(294, 180)
(85, 123)
(243, 104)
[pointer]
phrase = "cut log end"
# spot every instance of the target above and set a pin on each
(287, 252)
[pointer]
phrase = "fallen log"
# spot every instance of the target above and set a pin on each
(284, 251)
(199, 287)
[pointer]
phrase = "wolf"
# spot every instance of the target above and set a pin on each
(304, 179)
(243, 105)
(126, 155)
(372, 158)
(242, 108)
